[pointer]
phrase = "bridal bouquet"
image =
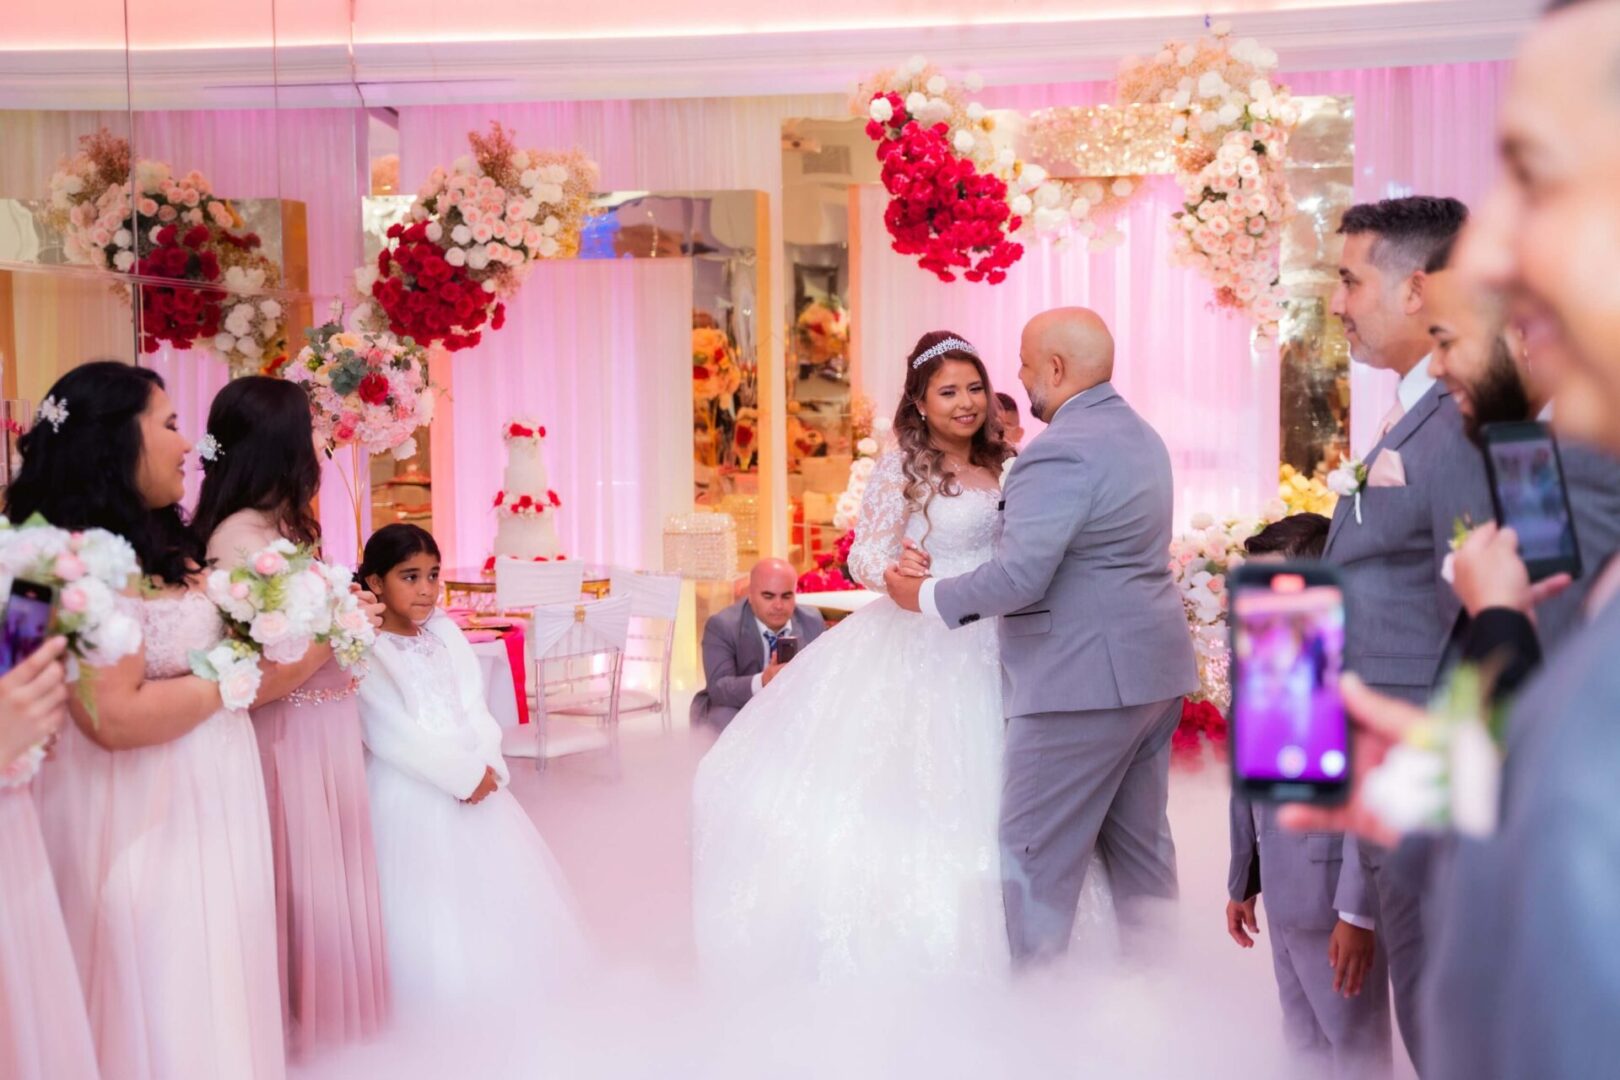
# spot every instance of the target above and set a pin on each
(474, 233)
(87, 570)
(281, 601)
(366, 388)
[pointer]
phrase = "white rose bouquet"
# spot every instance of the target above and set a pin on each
(87, 570)
(281, 601)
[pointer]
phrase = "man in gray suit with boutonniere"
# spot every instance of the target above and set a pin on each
(1095, 651)
(1391, 534)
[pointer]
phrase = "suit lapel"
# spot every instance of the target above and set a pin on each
(1396, 437)
(750, 649)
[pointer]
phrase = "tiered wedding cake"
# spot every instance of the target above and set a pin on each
(524, 506)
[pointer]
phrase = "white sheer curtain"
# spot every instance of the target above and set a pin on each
(1183, 366)
(597, 351)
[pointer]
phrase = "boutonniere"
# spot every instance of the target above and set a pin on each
(1461, 529)
(1348, 481)
(1446, 772)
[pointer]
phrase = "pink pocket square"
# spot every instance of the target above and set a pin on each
(1386, 470)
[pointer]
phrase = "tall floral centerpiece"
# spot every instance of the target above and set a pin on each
(1231, 129)
(832, 571)
(368, 390)
(475, 232)
(141, 218)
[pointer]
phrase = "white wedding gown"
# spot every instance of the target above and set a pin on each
(845, 823)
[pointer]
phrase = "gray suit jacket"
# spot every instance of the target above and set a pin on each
(1296, 873)
(1593, 478)
(1525, 955)
(1090, 615)
(1400, 611)
(733, 654)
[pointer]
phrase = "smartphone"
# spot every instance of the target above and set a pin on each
(786, 649)
(1290, 735)
(1527, 487)
(27, 622)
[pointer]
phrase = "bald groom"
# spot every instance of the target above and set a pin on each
(1094, 645)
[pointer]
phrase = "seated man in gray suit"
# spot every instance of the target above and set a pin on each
(739, 643)
(1391, 540)
(1487, 367)
(1328, 1019)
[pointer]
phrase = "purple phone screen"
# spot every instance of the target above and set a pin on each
(1289, 647)
(26, 622)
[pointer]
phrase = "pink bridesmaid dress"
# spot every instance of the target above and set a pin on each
(44, 1034)
(334, 966)
(162, 862)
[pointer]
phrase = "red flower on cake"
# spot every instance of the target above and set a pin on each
(552, 495)
(373, 389)
(518, 431)
(500, 497)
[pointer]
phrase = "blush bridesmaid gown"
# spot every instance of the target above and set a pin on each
(44, 1034)
(162, 862)
(329, 924)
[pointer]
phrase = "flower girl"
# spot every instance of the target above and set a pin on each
(474, 908)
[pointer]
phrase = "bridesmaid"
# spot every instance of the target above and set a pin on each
(43, 1031)
(153, 810)
(334, 981)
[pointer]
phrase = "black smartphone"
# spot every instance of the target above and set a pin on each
(786, 649)
(1527, 487)
(27, 622)
(1290, 735)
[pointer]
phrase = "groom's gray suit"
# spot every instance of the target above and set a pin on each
(1095, 656)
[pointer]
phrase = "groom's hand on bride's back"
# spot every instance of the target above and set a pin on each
(903, 588)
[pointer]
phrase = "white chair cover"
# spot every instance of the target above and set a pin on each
(521, 584)
(580, 628)
(652, 596)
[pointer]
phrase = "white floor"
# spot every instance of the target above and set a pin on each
(1209, 1011)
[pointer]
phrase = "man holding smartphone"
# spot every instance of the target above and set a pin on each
(1486, 363)
(745, 645)
(1391, 539)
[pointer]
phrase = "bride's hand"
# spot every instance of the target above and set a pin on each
(914, 561)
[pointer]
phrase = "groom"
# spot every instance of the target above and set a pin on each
(1094, 644)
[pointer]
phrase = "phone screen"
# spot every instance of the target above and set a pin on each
(27, 621)
(786, 649)
(1529, 489)
(1289, 725)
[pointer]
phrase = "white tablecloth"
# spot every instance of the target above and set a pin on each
(499, 690)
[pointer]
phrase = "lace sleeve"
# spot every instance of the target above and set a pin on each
(881, 525)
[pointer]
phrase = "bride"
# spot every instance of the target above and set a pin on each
(845, 823)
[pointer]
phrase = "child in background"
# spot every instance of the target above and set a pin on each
(1332, 978)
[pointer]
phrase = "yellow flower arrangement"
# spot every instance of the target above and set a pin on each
(1304, 494)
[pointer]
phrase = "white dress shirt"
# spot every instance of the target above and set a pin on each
(1414, 385)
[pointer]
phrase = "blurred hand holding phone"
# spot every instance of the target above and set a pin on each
(1290, 736)
(26, 623)
(1531, 497)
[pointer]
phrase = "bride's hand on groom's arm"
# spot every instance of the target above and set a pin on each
(914, 561)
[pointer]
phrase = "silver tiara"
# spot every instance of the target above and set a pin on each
(950, 344)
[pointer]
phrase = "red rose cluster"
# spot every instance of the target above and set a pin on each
(523, 431)
(941, 207)
(427, 299)
(177, 314)
(1200, 720)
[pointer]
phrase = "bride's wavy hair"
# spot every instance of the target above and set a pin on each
(922, 462)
